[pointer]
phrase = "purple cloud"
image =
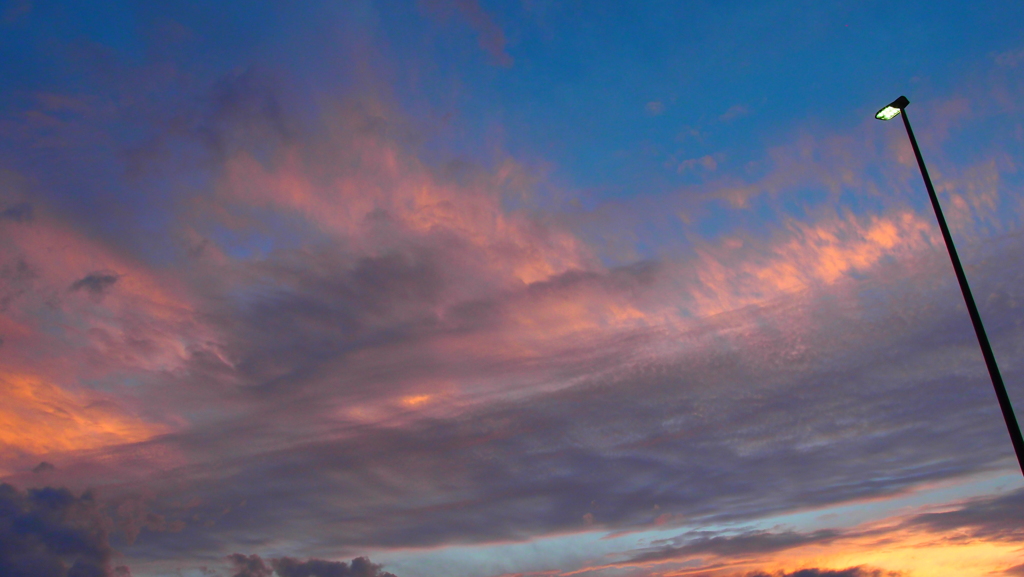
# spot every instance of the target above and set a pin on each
(96, 283)
(53, 533)
(254, 566)
(814, 572)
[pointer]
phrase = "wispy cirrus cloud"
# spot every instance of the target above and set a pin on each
(490, 35)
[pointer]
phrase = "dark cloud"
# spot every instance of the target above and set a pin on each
(250, 566)
(96, 282)
(1016, 570)
(43, 467)
(754, 542)
(988, 518)
(255, 566)
(22, 212)
(52, 533)
(360, 567)
(132, 514)
(18, 279)
(242, 110)
(814, 572)
(306, 317)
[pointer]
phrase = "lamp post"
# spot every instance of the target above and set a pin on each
(889, 112)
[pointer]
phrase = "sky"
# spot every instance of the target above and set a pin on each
(479, 288)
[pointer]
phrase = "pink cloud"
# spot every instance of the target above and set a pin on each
(734, 112)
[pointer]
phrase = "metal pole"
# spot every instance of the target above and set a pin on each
(979, 329)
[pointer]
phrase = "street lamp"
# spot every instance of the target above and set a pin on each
(889, 112)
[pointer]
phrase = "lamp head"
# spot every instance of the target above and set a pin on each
(893, 109)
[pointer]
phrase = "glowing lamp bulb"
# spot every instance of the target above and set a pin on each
(893, 109)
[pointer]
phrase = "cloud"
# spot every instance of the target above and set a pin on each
(254, 566)
(249, 566)
(42, 417)
(707, 162)
(96, 282)
(1010, 58)
(360, 567)
(749, 543)
(489, 35)
(814, 572)
(60, 351)
(984, 518)
(52, 533)
(734, 112)
(805, 396)
(823, 163)
(21, 212)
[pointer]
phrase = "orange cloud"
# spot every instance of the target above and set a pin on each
(39, 417)
(416, 400)
(733, 275)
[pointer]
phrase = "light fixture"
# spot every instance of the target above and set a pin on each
(893, 110)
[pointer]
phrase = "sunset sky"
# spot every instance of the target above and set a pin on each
(534, 288)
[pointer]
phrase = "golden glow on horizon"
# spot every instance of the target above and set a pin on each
(950, 554)
(887, 545)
